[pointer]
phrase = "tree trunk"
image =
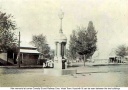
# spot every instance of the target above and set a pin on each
(84, 59)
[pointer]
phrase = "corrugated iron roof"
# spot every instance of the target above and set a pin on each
(28, 51)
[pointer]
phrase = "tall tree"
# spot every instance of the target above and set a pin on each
(40, 42)
(7, 25)
(86, 41)
(72, 45)
(121, 50)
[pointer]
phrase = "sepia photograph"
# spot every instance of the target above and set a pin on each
(64, 43)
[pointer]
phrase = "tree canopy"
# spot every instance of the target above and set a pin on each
(84, 41)
(121, 50)
(7, 25)
(72, 45)
(40, 42)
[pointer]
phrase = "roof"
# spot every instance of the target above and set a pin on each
(61, 38)
(28, 51)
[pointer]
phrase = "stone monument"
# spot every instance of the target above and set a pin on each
(60, 60)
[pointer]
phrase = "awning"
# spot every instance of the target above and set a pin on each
(28, 51)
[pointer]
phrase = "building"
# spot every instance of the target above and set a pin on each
(115, 59)
(28, 55)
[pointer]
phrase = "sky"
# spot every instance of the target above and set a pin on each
(33, 17)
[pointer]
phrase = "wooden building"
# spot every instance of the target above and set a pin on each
(28, 55)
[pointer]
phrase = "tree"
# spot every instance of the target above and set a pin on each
(40, 42)
(121, 51)
(7, 25)
(86, 41)
(72, 45)
(52, 53)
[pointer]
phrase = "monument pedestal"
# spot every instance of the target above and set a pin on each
(60, 68)
(60, 63)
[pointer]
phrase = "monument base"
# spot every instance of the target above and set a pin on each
(59, 72)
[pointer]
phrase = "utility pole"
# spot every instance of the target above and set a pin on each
(19, 52)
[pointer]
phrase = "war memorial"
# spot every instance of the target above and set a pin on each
(60, 60)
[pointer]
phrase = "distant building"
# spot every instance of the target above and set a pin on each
(115, 59)
(118, 59)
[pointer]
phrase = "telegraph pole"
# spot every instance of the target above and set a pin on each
(19, 52)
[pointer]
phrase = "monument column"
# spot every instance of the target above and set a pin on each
(55, 49)
(64, 51)
(59, 50)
